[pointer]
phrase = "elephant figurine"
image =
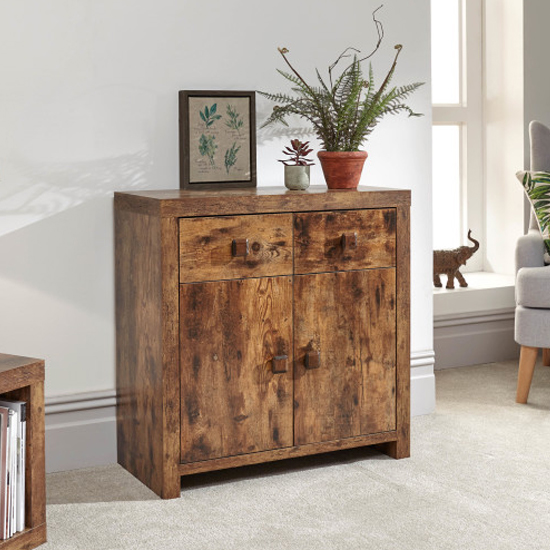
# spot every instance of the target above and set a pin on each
(448, 262)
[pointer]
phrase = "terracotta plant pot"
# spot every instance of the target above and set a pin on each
(342, 169)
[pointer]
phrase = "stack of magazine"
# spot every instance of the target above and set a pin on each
(13, 428)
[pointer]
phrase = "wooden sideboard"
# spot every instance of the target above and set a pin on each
(22, 379)
(259, 324)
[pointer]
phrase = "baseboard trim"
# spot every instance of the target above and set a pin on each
(474, 318)
(81, 428)
(422, 382)
(80, 402)
(474, 338)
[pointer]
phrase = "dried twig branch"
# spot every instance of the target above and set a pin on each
(344, 54)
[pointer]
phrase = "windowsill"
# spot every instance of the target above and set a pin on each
(485, 292)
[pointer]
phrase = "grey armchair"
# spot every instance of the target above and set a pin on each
(532, 325)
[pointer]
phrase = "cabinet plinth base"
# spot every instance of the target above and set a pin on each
(385, 438)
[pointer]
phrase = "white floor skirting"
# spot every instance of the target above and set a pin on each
(474, 338)
(80, 430)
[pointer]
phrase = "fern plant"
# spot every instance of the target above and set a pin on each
(343, 113)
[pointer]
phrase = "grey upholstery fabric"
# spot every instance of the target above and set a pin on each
(533, 278)
(533, 288)
(532, 327)
(530, 250)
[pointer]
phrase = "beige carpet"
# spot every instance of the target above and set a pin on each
(478, 478)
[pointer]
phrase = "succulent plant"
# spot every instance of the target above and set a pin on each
(297, 152)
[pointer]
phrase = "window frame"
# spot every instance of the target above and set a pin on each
(468, 115)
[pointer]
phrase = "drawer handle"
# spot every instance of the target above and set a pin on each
(240, 247)
(349, 241)
(279, 364)
(313, 360)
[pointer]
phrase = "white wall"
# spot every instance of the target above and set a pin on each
(504, 123)
(88, 105)
(517, 91)
(536, 85)
(536, 14)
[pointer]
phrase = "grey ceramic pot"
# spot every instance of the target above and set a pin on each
(296, 177)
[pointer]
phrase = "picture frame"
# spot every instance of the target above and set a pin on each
(217, 135)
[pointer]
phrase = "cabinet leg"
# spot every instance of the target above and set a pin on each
(397, 449)
(171, 488)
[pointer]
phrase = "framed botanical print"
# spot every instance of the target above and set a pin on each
(217, 139)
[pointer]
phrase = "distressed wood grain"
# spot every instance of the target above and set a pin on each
(186, 203)
(214, 248)
(378, 404)
(146, 346)
(334, 241)
(401, 447)
(223, 296)
(328, 319)
(232, 402)
(189, 468)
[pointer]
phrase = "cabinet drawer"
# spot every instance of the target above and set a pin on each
(234, 247)
(343, 241)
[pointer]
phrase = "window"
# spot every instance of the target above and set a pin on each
(457, 124)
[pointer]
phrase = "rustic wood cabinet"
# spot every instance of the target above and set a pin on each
(259, 324)
(22, 379)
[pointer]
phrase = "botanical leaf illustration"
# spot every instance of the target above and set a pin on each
(235, 121)
(209, 115)
(231, 156)
(207, 147)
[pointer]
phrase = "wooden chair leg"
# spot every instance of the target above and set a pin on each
(527, 359)
(546, 357)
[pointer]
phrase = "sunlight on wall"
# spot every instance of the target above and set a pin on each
(63, 153)
(89, 106)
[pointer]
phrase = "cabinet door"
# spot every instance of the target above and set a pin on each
(236, 367)
(345, 355)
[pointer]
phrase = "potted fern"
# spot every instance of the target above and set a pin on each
(343, 110)
(297, 166)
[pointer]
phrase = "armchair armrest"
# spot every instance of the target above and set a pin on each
(530, 250)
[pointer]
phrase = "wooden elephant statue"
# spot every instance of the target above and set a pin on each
(448, 262)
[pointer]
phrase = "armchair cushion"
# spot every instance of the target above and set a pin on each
(532, 327)
(530, 250)
(532, 285)
(537, 188)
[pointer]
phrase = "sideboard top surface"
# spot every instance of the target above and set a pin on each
(181, 203)
(19, 371)
(9, 362)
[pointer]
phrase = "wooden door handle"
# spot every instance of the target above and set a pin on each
(240, 247)
(279, 364)
(349, 240)
(313, 360)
